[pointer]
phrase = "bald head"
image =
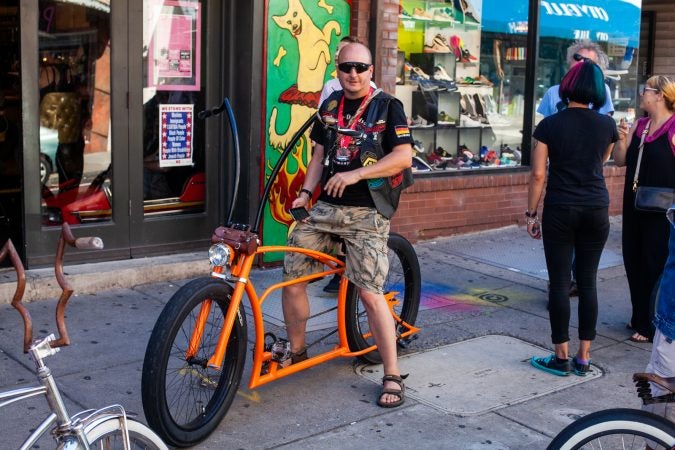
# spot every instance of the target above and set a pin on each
(355, 52)
(355, 70)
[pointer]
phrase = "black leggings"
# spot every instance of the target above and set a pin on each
(645, 250)
(568, 231)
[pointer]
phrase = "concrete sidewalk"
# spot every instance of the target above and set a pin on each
(483, 315)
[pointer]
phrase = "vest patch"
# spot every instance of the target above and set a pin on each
(402, 131)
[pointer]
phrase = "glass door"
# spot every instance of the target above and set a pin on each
(75, 125)
(168, 172)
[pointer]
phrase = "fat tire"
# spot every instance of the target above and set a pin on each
(108, 435)
(619, 421)
(402, 256)
(205, 395)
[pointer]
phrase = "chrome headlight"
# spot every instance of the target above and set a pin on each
(220, 255)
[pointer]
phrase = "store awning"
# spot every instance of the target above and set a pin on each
(597, 20)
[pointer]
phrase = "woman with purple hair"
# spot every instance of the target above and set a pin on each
(575, 220)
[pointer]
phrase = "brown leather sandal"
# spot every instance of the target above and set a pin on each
(400, 393)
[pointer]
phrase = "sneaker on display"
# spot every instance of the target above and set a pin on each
(419, 165)
(443, 15)
(420, 14)
(441, 74)
(438, 45)
(445, 119)
(420, 122)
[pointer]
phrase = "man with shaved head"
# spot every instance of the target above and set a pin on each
(361, 182)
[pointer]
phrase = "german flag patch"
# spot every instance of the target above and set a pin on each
(402, 131)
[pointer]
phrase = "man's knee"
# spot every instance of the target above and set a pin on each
(294, 290)
(369, 298)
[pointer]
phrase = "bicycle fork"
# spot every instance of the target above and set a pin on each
(216, 359)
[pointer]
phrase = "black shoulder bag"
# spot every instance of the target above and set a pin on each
(650, 198)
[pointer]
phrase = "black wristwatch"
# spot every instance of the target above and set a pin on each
(529, 214)
(306, 191)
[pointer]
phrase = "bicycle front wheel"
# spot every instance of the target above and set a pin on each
(616, 428)
(184, 399)
(108, 435)
(403, 278)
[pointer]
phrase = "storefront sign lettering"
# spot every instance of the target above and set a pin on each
(575, 10)
(518, 27)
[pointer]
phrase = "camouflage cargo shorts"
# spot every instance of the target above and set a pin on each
(364, 232)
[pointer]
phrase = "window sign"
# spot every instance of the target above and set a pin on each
(174, 50)
(176, 135)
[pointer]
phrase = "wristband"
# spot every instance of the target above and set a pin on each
(306, 191)
(529, 214)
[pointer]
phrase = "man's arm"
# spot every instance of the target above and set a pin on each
(398, 159)
(312, 176)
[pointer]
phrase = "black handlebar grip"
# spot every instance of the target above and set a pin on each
(89, 243)
(204, 114)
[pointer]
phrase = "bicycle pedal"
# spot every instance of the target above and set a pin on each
(404, 343)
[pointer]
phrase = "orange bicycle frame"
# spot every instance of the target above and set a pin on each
(240, 277)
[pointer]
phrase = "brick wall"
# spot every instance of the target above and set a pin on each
(445, 206)
(379, 18)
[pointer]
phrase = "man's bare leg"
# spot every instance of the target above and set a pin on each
(295, 305)
(383, 328)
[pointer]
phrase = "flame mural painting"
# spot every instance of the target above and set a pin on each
(302, 36)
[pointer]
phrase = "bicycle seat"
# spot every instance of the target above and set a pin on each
(644, 391)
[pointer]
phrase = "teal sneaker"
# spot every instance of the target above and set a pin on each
(551, 364)
(580, 369)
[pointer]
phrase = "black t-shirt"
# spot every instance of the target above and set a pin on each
(577, 139)
(346, 159)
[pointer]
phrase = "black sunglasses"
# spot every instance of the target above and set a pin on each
(578, 57)
(347, 67)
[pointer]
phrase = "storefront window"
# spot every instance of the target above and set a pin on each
(614, 26)
(74, 86)
(462, 85)
(173, 144)
(461, 71)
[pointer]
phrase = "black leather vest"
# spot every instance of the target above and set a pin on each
(385, 192)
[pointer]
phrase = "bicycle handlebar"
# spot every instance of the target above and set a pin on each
(66, 237)
(215, 111)
(89, 243)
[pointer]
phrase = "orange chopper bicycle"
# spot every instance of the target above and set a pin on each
(196, 353)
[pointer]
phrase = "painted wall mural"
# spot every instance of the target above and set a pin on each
(302, 36)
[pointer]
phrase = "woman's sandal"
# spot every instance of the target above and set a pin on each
(400, 393)
(637, 337)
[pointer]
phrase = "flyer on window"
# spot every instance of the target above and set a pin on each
(175, 131)
(174, 52)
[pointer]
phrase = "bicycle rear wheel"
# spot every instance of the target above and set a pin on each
(616, 428)
(108, 435)
(405, 279)
(183, 399)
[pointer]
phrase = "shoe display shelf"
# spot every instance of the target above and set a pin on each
(437, 117)
(423, 13)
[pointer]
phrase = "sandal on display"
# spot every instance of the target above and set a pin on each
(400, 393)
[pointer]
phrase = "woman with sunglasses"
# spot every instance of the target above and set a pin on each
(576, 141)
(645, 235)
